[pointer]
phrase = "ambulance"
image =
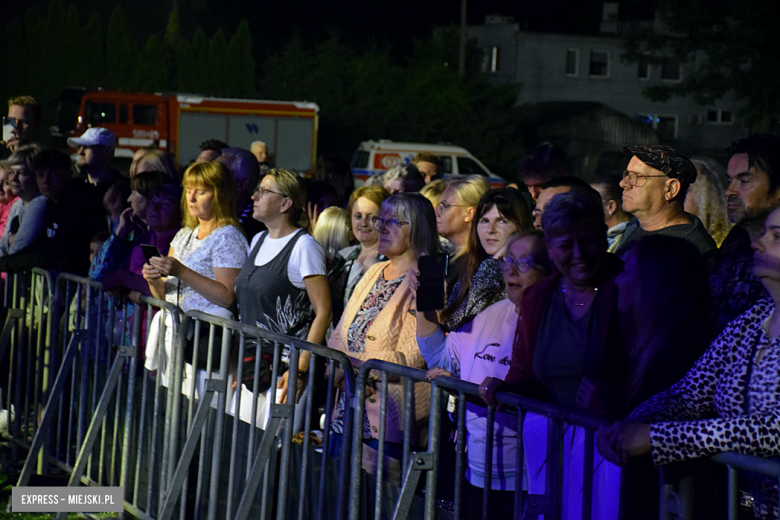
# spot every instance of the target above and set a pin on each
(379, 156)
(178, 123)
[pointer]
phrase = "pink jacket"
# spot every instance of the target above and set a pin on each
(392, 337)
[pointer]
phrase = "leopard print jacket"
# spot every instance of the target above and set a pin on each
(710, 410)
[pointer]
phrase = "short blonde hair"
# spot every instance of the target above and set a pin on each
(215, 176)
(376, 194)
(159, 161)
(470, 189)
(332, 231)
(433, 190)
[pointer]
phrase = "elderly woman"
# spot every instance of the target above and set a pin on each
(481, 350)
(728, 400)
(568, 342)
(205, 256)
(404, 179)
(500, 213)
(454, 214)
(376, 323)
(282, 285)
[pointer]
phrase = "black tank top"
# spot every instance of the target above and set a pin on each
(267, 299)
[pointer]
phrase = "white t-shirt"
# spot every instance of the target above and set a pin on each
(307, 258)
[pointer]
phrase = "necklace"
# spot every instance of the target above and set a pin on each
(563, 290)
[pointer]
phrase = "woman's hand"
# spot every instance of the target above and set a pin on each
(590, 396)
(488, 389)
(437, 371)
(150, 274)
(167, 266)
(126, 224)
(622, 441)
(284, 386)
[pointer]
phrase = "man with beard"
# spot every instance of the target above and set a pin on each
(753, 193)
(95, 152)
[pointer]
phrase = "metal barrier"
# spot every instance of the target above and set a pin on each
(415, 463)
(738, 461)
(26, 342)
(228, 482)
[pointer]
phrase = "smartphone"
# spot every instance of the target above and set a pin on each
(433, 272)
(149, 251)
(9, 123)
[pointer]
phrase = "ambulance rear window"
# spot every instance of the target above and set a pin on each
(446, 162)
(360, 159)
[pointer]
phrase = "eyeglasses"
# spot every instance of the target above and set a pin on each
(261, 192)
(390, 223)
(523, 265)
(634, 178)
(443, 206)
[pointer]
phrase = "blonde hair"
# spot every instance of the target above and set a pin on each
(470, 189)
(291, 186)
(332, 231)
(376, 194)
(433, 190)
(710, 198)
(159, 161)
(214, 176)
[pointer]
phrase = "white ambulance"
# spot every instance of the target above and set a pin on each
(379, 156)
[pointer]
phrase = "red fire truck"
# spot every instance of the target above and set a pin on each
(178, 123)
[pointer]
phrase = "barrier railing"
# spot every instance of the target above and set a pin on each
(415, 463)
(25, 343)
(183, 442)
(219, 424)
(738, 461)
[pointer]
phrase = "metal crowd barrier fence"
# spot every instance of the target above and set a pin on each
(738, 461)
(236, 459)
(25, 343)
(426, 460)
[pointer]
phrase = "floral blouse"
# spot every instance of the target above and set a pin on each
(376, 300)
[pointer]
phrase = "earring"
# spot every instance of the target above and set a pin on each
(667, 197)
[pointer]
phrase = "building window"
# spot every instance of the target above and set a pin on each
(490, 59)
(643, 68)
(572, 62)
(671, 69)
(599, 64)
(667, 128)
(719, 116)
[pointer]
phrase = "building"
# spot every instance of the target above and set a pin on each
(573, 68)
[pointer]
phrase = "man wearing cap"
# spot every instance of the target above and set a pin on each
(95, 151)
(752, 194)
(654, 187)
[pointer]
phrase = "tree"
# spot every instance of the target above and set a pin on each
(151, 74)
(728, 47)
(121, 51)
(240, 47)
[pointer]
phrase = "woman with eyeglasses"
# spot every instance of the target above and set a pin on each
(454, 214)
(282, 285)
(480, 351)
(377, 324)
(500, 213)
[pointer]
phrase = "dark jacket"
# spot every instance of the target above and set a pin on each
(521, 377)
(694, 232)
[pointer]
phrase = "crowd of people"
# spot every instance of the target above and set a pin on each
(645, 297)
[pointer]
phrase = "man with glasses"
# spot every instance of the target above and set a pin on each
(752, 193)
(654, 187)
(21, 125)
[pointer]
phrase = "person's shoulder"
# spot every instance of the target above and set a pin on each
(306, 241)
(344, 253)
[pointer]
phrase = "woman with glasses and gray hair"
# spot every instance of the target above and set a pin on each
(482, 350)
(377, 324)
(282, 285)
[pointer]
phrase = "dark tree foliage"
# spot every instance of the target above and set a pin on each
(363, 94)
(727, 47)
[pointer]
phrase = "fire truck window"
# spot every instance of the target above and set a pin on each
(123, 113)
(100, 113)
(145, 114)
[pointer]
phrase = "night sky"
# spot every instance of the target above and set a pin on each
(395, 23)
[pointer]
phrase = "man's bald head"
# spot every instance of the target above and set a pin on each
(243, 166)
